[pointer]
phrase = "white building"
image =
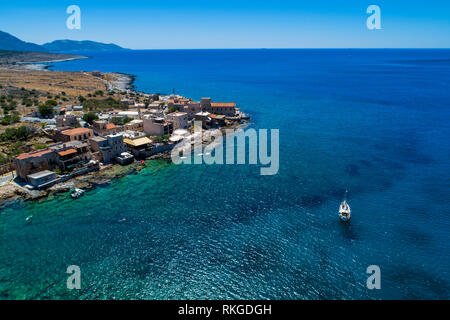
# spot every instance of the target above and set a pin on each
(134, 125)
(77, 108)
(179, 119)
(157, 126)
(192, 108)
(109, 148)
(130, 134)
(129, 114)
(154, 105)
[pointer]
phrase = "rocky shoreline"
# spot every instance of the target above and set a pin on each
(123, 81)
(43, 65)
(11, 192)
(17, 58)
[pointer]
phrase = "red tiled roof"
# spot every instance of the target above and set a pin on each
(71, 132)
(33, 155)
(223, 104)
(110, 126)
(67, 152)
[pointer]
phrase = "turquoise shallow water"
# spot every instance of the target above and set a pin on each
(376, 121)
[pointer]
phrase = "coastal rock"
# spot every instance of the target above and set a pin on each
(62, 187)
(8, 192)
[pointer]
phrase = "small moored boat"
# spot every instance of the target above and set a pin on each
(76, 193)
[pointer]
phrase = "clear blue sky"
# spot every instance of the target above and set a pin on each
(172, 24)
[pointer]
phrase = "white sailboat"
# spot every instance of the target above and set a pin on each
(344, 210)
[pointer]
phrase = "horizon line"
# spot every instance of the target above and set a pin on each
(306, 48)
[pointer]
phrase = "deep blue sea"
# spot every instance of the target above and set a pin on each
(374, 121)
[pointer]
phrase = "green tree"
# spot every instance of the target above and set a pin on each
(10, 118)
(90, 117)
(27, 102)
(117, 121)
(51, 103)
(172, 109)
(12, 105)
(39, 146)
(17, 148)
(14, 134)
(127, 119)
(45, 109)
(103, 104)
(3, 159)
(23, 132)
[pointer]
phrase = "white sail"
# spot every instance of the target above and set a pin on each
(345, 211)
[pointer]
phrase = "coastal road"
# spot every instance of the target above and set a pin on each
(5, 179)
